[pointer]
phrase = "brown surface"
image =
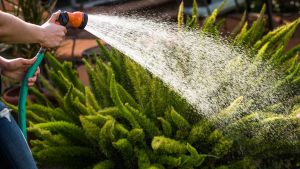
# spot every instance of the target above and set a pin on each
(65, 50)
(83, 76)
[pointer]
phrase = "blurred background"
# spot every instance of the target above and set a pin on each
(37, 11)
(79, 43)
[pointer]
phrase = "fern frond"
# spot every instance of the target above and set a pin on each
(149, 126)
(80, 108)
(55, 64)
(292, 52)
(40, 97)
(91, 129)
(106, 137)
(166, 145)
(166, 126)
(91, 100)
(67, 156)
(116, 98)
(75, 91)
(72, 76)
(54, 92)
(107, 164)
(68, 130)
(136, 136)
(33, 117)
(240, 26)
(254, 33)
(125, 148)
(169, 161)
(180, 18)
(126, 97)
(143, 158)
(61, 85)
(179, 121)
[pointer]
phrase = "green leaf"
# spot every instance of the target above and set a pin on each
(292, 52)
(255, 32)
(166, 126)
(68, 130)
(240, 26)
(107, 164)
(180, 18)
(66, 156)
(179, 121)
(40, 97)
(147, 125)
(209, 23)
(167, 145)
(116, 98)
(91, 99)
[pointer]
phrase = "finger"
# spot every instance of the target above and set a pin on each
(37, 72)
(32, 79)
(25, 67)
(63, 29)
(30, 84)
(58, 42)
(54, 16)
(28, 62)
(15, 63)
(61, 34)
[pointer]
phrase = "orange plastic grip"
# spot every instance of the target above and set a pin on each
(75, 19)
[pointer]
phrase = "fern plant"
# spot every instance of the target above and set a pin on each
(126, 118)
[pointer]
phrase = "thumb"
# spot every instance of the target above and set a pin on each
(54, 16)
(28, 61)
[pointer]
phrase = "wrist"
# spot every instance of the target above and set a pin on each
(38, 33)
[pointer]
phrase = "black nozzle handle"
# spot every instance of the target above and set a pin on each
(63, 18)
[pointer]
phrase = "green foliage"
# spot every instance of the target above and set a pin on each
(127, 118)
(104, 165)
(180, 18)
(127, 135)
(68, 157)
(167, 145)
(209, 25)
(191, 22)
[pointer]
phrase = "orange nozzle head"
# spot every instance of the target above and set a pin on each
(74, 19)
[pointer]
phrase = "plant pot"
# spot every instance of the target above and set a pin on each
(11, 95)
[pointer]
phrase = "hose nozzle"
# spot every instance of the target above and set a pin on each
(74, 19)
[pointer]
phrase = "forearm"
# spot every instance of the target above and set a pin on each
(2, 62)
(15, 30)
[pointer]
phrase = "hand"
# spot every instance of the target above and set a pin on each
(16, 69)
(52, 34)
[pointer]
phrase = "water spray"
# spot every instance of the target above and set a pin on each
(69, 19)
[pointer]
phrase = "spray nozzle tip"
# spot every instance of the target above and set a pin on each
(84, 21)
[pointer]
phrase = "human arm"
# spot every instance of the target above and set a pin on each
(15, 30)
(16, 69)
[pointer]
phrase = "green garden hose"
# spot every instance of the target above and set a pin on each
(24, 91)
(72, 19)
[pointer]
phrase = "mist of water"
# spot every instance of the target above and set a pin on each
(206, 71)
